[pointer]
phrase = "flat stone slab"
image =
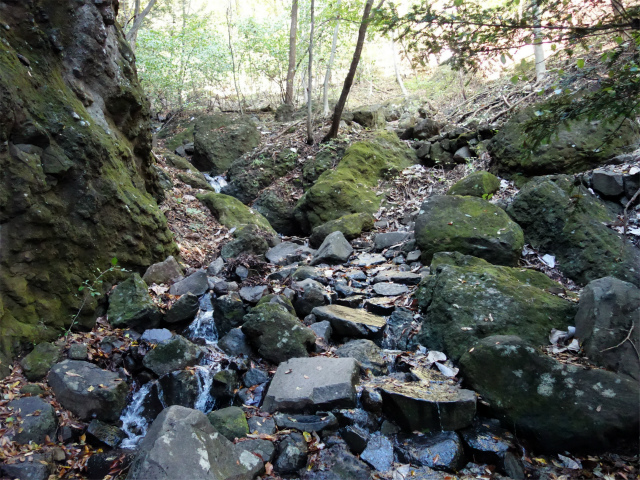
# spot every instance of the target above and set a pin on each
(386, 240)
(303, 385)
(388, 289)
(351, 322)
(394, 276)
(286, 253)
(368, 259)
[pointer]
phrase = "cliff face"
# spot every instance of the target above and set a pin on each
(77, 185)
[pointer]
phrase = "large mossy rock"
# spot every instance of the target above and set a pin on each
(77, 183)
(278, 210)
(323, 161)
(579, 146)
(39, 361)
(466, 299)
(469, 225)
(351, 227)
(249, 239)
(478, 184)
(371, 116)
(349, 188)
(130, 305)
(219, 140)
(564, 219)
(232, 213)
(561, 406)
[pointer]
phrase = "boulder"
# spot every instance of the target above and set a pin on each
(197, 284)
(235, 343)
(565, 220)
(102, 434)
(88, 391)
(174, 354)
(183, 310)
(232, 213)
(351, 322)
(313, 384)
(219, 140)
(228, 313)
(469, 225)
(78, 351)
(440, 451)
(180, 387)
(278, 211)
(156, 335)
(163, 272)
(562, 407)
(351, 227)
(367, 353)
(130, 305)
(37, 363)
(230, 422)
(292, 453)
(182, 443)
(379, 453)
(467, 299)
(479, 184)
(608, 184)
(608, 313)
(35, 420)
(383, 241)
(280, 300)
(323, 161)
(336, 463)
(286, 253)
(425, 129)
(251, 240)
(577, 146)
(276, 334)
(195, 180)
(334, 250)
(372, 116)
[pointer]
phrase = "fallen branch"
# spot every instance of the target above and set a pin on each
(628, 337)
(506, 110)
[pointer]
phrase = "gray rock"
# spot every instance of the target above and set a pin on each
(37, 363)
(182, 443)
(99, 464)
(287, 253)
(304, 272)
(163, 272)
(379, 453)
(354, 301)
(414, 256)
(228, 313)
(336, 463)
(264, 449)
(104, 434)
(322, 330)
(313, 384)
(406, 278)
(183, 310)
(235, 343)
(174, 354)
(311, 294)
(264, 425)
(307, 423)
(38, 468)
(36, 420)
(253, 377)
(292, 454)
(88, 391)
(130, 305)
(367, 353)
(78, 351)
(368, 259)
(489, 443)
(335, 249)
(399, 325)
(440, 451)
(371, 116)
(197, 283)
(156, 335)
(230, 422)
(356, 438)
(462, 154)
(351, 322)
(253, 294)
(386, 240)
(215, 267)
(609, 308)
(179, 388)
(387, 289)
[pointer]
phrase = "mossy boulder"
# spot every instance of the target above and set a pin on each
(466, 299)
(349, 188)
(232, 213)
(39, 361)
(478, 184)
(278, 210)
(130, 305)
(370, 116)
(324, 160)
(578, 146)
(177, 353)
(221, 139)
(195, 180)
(177, 133)
(179, 162)
(469, 225)
(351, 227)
(230, 422)
(228, 313)
(564, 219)
(249, 239)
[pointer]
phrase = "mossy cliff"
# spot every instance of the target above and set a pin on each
(76, 183)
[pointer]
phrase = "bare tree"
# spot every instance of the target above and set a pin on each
(233, 59)
(310, 82)
(291, 72)
(395, 66)
(131, 32)
(538, 48)
(327, 76)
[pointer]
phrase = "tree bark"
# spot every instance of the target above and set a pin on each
(310, 82)
(291, 72)
(348, 81)
(132, 34)
(538, 48)
(395, 67)
(327, 76)
(233, 60)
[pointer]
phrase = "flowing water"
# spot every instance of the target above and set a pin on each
(203, 327)
(134, 424)
(218, 183)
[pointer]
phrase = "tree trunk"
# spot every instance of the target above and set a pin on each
(395, 67)
(348, 81)
(327, 76)
(310, 82)
(132, 33)
(233, 60)
(291, 72)
(538, 48)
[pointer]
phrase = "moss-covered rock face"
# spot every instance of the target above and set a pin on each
(323, 161)
(349, 188)
(76, 180)
(130, 305)
(467, 299)
(232, 213)
(478, 184)
(580, 146)
(230, 422)
(564, 219)
(278, 210)
(351, 227)
(468, 225)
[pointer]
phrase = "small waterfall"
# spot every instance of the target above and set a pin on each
(203, 326)
(134, 424)
(218, 183)
(204, 373)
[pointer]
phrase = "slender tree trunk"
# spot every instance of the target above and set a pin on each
(233, 60)
(538, 48)
(310, 82)
(138, 17)
(348, 81)
(291, 72)
(327, 76)
(395, 67)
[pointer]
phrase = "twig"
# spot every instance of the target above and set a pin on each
(506, 101)
(625, 217)
(628, 337)
(511, 107)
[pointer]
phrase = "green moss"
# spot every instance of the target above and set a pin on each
(351, 226)
(230, 422)
(195, 180)
(232, 213)
(478, 184)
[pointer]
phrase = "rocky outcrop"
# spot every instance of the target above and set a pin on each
(76, 180)
(478, 184)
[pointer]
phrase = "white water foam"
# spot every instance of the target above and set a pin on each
(134, 425)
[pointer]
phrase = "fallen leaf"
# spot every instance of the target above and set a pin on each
(71, 374)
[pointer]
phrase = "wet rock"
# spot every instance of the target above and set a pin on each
(197, 283)
(130, 305)
(156, 335)
(312, 384)
(334, 250)
(387, 289)
(399, 325)
(183, 310)
(440, 451)
(100, 464)
(307, 423)
(379, 453)
(102, 434)
(264, 449)
(230, 422)
(37, 468)
(322, 330)
(367, 260)
(78, 351)
(292, 454)
(287, 253)
(224, 386)
(262, 425)
(179, 388)
(351, 322)
(386, 240)
(357, 416)
(228, 313)
(405, 278)
(367, 353)
(561, 407)
(478, 184)
(489, 443)
(174, 354)
(39, 361)
(254, 376)
(351, 227)
(356, 438)
(253, 294)
(35, 420)
(88, 391)
(182, 443)
(163, 272)
(336, 463)
(310, 295)
(235, 343)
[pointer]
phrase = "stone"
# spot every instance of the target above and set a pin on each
(130, 305)
(321, 422)
(334, 250)
(182, 443)
(608, 184)
(230, 422)
(304, 272)
(197, 284)
(253, 294)
(367, 260)
(88, 391)
(232, 213)
(254, 376)
(462, 154)
(176, 353)
(215, 267)
(32, 389)
(291, 454)
(469, 225)
(383, 241)
(561, 407)
(440, 451)
(351, 227)
(354, 301)
(351, 322)
(163, 272)
(322, 329)
(37, 468)
(228, 313)
(224, 386)
(194, 179)
(356, 438)
(262, 425)
(367, 353)
(287, 253)
(179, 387)
(311, 294)
(313, 384)
(277, 335)
(388, 289)
(277, 210)
(371, 116)
(399, 325)
(264, 449)
(489, 443)
(479, 184)
(608, 311)
(405, 278)
(235, 343)
(184, 310)
(565, 220)
(78, 351)
(284, 113)
(379, 453)
(156, 335)
(336, 463)
(280, 300)
(99, 463)
(414, 256)
(35, 420)
(101, 434)
(37, 363)
(426, 128)
(250, 240)
(516, 300)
